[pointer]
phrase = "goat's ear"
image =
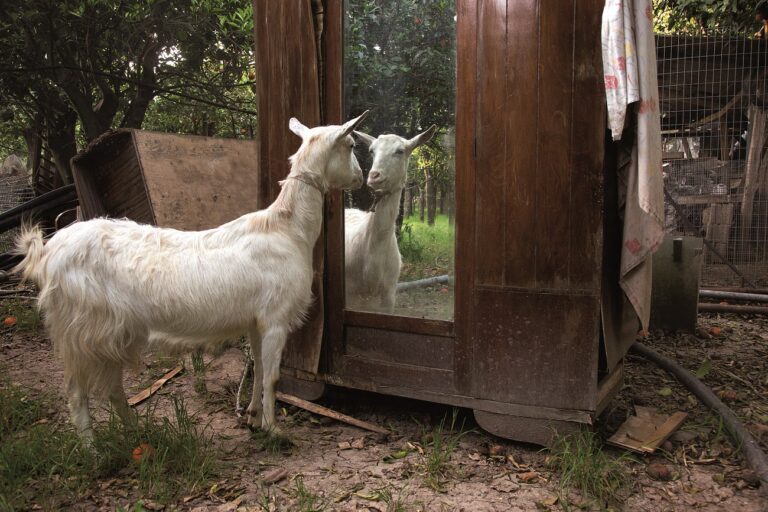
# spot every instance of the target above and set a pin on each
(350, 126)
(297, 128)
(422, 138)
(366, 139)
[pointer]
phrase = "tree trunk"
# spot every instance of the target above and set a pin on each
(431, 198)
(422, 203)
(62, 143)
(451, 208)
(756, 139)
(441, 202)
(408, 201)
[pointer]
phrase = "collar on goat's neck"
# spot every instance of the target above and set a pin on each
(378, 197)
(308, 178)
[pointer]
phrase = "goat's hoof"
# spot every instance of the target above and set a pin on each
(254, 421)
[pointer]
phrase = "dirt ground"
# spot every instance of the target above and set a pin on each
(349, 469)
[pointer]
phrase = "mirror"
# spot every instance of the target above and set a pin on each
(400, 62)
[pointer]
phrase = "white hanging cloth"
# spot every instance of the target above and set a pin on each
(629, 66)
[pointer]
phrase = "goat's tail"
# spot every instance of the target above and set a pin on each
(30, 244)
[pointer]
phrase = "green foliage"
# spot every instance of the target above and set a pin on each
(732, 17)
(441, 443)
(426, 250)
(583, 465)
(83, 67)
(400, 61)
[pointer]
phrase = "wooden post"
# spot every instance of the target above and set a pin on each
(754, 172)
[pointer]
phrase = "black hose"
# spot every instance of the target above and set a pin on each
(756, 458)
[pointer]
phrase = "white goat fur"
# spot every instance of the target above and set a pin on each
(372, 257)
(110, 288)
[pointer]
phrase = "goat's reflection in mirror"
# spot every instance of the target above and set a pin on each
(400, 62)
(375, 247)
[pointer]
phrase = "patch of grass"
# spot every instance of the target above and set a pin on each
(582, 465)
(440, 444)
(43, 462)
(175, 455)
(27, 315)
(40, 462)
(199, 368)
(395, 502)
(306, 500)
(272, 442)
(427, 250)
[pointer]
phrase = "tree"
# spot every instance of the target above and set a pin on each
(735, 17)
(70, 70)
(400, 61)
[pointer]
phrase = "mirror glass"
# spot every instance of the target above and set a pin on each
(400, 63)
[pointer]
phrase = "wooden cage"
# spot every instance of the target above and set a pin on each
(536, 229)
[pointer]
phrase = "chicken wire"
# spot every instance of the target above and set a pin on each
(712, 96)
(14, 190)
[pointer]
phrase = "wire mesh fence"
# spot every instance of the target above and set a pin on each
(714, 116)
(14, 190)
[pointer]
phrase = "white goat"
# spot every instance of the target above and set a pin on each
(372, 258)
(109, 288)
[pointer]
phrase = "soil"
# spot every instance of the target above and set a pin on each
(348, 468)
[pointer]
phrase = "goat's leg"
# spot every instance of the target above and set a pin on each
(255, 412)
(271, 353)
(388, 301)
(78, 411)
(118, 399)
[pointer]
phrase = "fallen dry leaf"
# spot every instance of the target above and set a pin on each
(275, 475)
(659, 471)
(496, 450)
(9, 321)
(727, 395)
(358, 444)
(345, 445)
(528, 476)
(715, 331)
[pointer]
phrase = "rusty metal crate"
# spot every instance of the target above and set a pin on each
(179, 181)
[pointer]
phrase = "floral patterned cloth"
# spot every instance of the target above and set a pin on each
(629, 66)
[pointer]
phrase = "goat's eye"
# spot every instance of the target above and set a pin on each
(399, 152)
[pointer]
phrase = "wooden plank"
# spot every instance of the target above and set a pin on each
(324, 411)
(400, 348)
(525, 429)
(707, 199)
(197, 182)
(647, 430)
(609, 387)
(537, 349)
(491, 141)
(287, 85)
(466, 200)
(334, 213)
(391, 374)
(445, 397)
(399, 323)
(521, 120)
(553, 186)
(588, 150)
(155, 387)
